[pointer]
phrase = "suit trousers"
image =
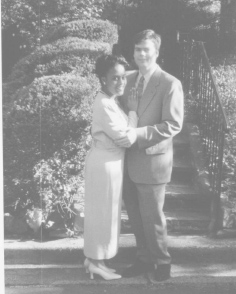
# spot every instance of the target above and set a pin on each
(144, 204)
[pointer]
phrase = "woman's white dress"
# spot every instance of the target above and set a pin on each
(104, 178)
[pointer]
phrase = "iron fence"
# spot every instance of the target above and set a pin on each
(199, 83)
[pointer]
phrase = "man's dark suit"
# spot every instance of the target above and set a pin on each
(149, 162)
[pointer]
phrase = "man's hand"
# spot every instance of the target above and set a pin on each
(128, 139)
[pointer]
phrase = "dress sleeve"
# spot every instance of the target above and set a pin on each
(112, 122)
(132, 119)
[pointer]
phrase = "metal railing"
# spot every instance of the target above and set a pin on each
(199, 83)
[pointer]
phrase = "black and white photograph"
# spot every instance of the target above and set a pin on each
(118, 146)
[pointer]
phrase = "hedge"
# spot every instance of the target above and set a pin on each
(51, 59)
(224, 70)
(58, 178)
(93, 30)
(52, 99)
(225, 74)
(47, 115)
(9, 90)
(52, 112)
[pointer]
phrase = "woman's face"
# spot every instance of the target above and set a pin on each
(115, 81)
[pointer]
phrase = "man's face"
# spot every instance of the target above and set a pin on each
(145, 54)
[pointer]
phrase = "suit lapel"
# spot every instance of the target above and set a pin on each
(149, 92)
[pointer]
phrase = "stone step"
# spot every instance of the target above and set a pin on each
(59, 262)
(64, 250)
(183, 168)
(183, 162)
(182, 138)
(185, 197)
(185, 222)
(179, 178)
(179, 220)
(183, 248)
(182, 173)
(177, 189)
(69, 275)
(182, 151)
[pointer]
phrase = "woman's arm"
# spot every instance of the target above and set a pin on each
(113, 123)
(132, 119)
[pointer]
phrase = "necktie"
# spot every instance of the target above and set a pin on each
(140, 87)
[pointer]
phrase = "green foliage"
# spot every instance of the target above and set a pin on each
(47, 99)
(93, 30)
(34, 17)
(47, 115)
(201, 20)
(51, 99)
(198, 13)
(63, 56)
(224, 69)
(198, 19)
(47, 127)
(24, 22)
(59, 177)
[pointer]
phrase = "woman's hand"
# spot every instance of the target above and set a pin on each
(132, 101)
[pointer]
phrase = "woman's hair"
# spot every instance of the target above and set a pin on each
(107, 61)
(147, 35)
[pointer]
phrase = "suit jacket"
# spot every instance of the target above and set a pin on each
(161, 113)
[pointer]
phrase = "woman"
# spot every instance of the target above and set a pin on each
(104, 167)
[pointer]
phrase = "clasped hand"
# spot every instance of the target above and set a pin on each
(128, 139)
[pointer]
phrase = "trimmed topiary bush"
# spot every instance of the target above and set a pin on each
(93, 30)
(52, 100)
(59, 178)
(48, 118)
(47, 114)
(63, 56)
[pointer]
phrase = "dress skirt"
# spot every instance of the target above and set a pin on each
(103, 190)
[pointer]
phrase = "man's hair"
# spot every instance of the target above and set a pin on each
(107, 61)
(147, 35)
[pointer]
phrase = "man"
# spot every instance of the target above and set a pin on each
(149, 160)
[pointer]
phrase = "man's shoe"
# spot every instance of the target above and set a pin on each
(162, 272)
(138, 268)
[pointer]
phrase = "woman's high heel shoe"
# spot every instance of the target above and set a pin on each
(101, 266)
(98, 271)
(105, 268)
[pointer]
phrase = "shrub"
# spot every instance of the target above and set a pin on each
(9, 89)
(59, 177)
(63, 56)
(199, 19)
(52, 100)
(32, 18)
(93, 30)
(48, 117)
(24, 22)
(224, 69)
